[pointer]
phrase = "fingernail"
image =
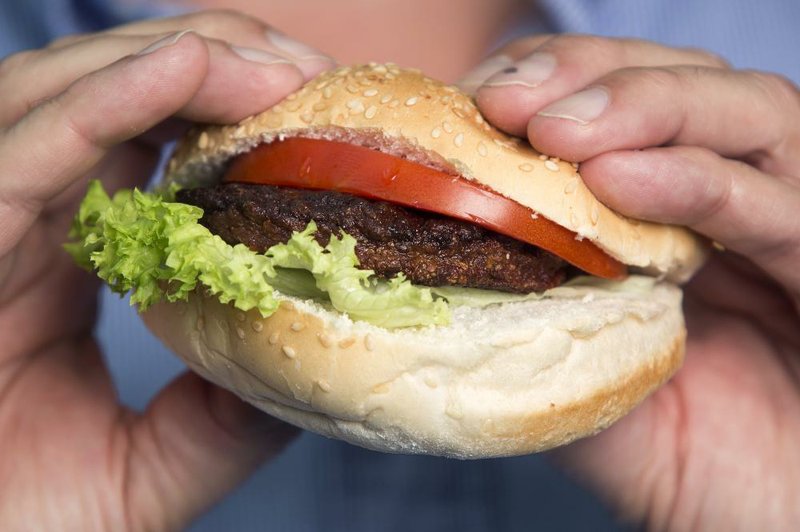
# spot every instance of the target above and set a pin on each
(582, 107)
(294, 49)
(530, 72)
(259, 56)
(169, 40)
(473, 79)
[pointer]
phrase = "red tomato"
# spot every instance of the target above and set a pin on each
(327, 165)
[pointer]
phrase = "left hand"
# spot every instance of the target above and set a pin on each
(676, 136)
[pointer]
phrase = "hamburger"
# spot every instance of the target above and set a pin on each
(372, 261)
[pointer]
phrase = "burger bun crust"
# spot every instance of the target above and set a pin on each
(503, 380)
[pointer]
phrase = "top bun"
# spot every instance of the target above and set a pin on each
(402, 111)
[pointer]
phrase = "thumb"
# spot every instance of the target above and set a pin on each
(194, 444)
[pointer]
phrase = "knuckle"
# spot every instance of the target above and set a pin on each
(704, 57)
(659, 78)
(779, 88)
(11, 64)
(67, 40)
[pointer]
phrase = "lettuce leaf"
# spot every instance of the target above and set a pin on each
(155, 248)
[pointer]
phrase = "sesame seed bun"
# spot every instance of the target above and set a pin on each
(406, 113)
(503, 380)
(500, 380)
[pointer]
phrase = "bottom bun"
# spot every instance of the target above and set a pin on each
(498, 381)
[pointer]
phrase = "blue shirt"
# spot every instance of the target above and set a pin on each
(321, 484)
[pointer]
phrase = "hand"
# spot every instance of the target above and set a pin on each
(676, 136)
(95, 106)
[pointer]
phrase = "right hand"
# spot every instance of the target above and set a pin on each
(99, 106)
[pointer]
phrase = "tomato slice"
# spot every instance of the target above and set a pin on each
(328, 165)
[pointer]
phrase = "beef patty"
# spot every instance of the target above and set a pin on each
(429, 249)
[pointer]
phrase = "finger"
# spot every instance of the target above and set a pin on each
(565, 64)
(237, 28)
(498, 61)
(195, 443)
(731, 202)
(734, 113)
(97, 112)
(22, 79)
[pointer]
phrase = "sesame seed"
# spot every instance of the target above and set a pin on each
(430, 382)
(291, 97)
(355, 106)
(257, 326)
(327, 92)
(436, 133)
(411, 101)
(390, 75)
(458, 140)
(394, 103)
(371, 111)
(555, 159)
(325, 340)
(307, 117)
(454, 411)
(352, 89)
(385, 98)
(289, 351)
(459, 112)
(543, 157)
(571, 186)
(240, 316)
(381, 388)
(575, 165)
(483, 151)
(380, 69)
(594, 214)
(347, 342)
(293, 106)
(273, 338)
(369, 343)
(324, 386)
(202, 142)
(370, 92)
(297, 326)
(550, 165)
(526, 167)
(273, 121)
(319, 106)
(201, 323)
(508, 256)
(479, 118)
(240, 333)
(573, 219)
(448, 127)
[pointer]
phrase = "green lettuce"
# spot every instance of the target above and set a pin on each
(154, 248)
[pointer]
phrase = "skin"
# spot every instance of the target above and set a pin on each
(714, 449)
